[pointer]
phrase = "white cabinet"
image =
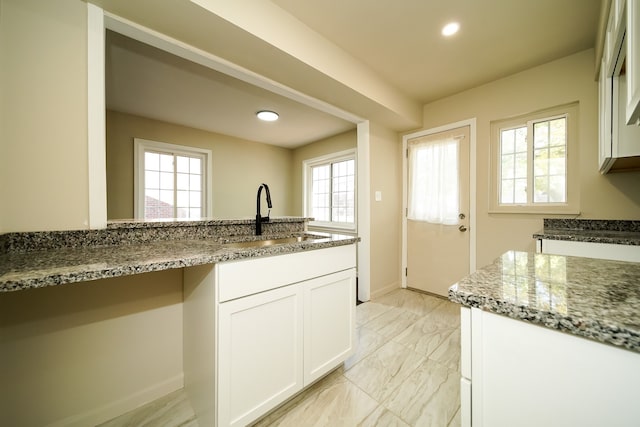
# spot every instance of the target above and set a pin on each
(611, 251)
(618, 90)
(259, 330)
(260, 354)
(528, 375)
(329, 323)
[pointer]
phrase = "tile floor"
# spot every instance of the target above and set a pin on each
(405, 372)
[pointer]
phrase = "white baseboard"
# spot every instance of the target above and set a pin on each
(389, 288)
(118, 407)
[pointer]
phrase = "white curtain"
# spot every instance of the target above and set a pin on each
(433, 181)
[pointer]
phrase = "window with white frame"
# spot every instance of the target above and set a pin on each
(330, 185)
(171, 180)
(534, 162)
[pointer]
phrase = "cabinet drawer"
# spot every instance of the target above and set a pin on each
(245, 277)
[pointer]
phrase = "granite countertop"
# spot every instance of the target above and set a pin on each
(617, 232)
(592, 298)
(57, 266)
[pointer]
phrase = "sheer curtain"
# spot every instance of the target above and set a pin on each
(433, 180)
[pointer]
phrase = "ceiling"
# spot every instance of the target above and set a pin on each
(149, 82)
(399, 41)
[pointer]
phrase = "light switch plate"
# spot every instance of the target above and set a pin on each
(378, 196)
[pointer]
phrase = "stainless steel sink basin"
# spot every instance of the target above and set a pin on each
(269, 242)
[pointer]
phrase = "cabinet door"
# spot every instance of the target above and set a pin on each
(260, 354)
(329, 323)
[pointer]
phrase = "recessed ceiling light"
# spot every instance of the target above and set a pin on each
(267, 116)
(450, 29)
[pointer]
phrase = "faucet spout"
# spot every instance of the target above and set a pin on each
(259, 218)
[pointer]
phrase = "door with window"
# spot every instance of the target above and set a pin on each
(438, 210)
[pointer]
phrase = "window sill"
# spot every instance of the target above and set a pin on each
(536, 210)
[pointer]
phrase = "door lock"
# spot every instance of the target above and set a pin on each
(462, 228)
(462, 216)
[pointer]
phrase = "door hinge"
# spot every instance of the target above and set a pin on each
(406, 271)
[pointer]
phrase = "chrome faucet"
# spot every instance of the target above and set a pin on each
(259, 218)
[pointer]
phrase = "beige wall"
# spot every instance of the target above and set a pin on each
(386, 176)
(334, 144)
(563, 81)
(43, 134)
(239, 166)
(83, 353)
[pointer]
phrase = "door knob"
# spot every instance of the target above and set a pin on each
(462, 216)
(462, 228)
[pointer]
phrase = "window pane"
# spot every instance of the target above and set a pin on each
(520, 191)
(506, 193)
(151, 161)
(541, 134)
(541, 189)
(182, 164)
(194, 199)
(558, 131)
(151, 179)
(182, 199)
(507, 145)
(195, 213)
(557, 189)
(195, 182)
(166, 162)
(182, 181)
(166, 196)
(166, 180)
(521, 139)
(508, 166)
(541, 162)
(195, 165)
(521, 165)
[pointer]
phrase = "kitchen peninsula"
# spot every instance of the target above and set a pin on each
(95, 323)
(550, 340)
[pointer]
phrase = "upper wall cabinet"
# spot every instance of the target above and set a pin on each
(620, 89)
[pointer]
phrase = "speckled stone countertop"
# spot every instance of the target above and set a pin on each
(618, 232)
(592, 298)
(33, 260)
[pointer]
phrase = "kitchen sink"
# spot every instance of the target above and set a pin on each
(270, 242)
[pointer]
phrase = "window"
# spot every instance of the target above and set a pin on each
(330, 184)
(534, 166)
(171, 181)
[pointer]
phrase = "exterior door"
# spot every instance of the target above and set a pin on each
(438, 253)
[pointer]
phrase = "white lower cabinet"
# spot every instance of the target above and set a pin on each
(529, 376)
(278, 324)
(260, 353)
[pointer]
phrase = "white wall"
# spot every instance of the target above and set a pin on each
(43, 137)
(559, 82)
(80, 354)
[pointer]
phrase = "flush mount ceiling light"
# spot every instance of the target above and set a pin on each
(450, 29)
(267, 116)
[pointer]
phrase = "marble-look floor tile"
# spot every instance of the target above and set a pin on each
(429, 397)
(368, 311)
(449, 313)
(172, 410)
(383, 370)
(418, 303)
(320, 385)
(448, 352)
(367, 341)
(341, 404)
(425, 335)
(382, 417)
(456, 421)
(392, 322)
